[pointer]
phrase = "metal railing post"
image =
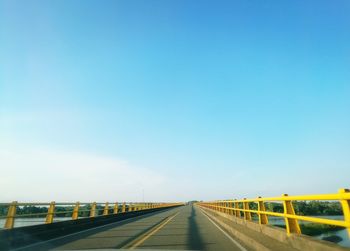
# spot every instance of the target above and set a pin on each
(75, 211)
(123, 207)
(93, 210)
(232, 212)
(345, 204)
(247, 215)
(50, 213)
(11, 214)
(261, 208)
(115, 209)
(292, 225)
(237, 212)
(106, 209)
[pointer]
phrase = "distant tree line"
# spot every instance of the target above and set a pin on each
(303, 207)
(311, 208)
(60, 211)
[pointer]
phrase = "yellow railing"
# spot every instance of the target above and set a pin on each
(237, 207)
(93, 209)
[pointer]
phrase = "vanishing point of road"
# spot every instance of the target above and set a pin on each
(180, 228)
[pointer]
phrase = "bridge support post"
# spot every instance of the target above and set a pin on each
(237, 212)
(292, 225)
(345, 203)
(93, 210)
(50, 213)
(261, 208)
(123, 207)
(232, 212)
(106, 209)
(115, 209)
(75, 211)
(11, 214)
(247, 215)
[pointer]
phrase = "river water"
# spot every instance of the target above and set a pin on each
(341, 233)
(272, 221)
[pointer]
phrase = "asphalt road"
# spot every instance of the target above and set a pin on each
(181, 228)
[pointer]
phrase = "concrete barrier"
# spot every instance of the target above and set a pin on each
(266, 237)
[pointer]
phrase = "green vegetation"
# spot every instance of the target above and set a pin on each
(333, 238)
(318, 208)
(313, 229)
(309, 208)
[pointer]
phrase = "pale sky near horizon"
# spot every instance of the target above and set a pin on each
(173, 100)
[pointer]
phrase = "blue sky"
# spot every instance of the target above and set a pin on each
(181, 99)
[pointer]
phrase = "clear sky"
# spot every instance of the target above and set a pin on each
(176, 100)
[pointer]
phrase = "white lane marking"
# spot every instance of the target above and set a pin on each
(226, 234)
(83, 231)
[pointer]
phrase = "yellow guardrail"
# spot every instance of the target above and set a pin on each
(93, 209)
(237, 207)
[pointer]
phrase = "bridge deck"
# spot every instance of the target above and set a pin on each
(181, 228)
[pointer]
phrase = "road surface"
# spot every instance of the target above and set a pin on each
(181, 228)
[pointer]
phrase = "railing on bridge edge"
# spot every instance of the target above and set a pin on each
(92, 210)
(235, 207)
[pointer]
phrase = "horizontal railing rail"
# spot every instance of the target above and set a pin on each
(74, 210)
(243, 206)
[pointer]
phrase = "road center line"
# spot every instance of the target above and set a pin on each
(152, 232)
(226, 234)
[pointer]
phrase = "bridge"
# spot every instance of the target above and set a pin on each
(240, 225)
